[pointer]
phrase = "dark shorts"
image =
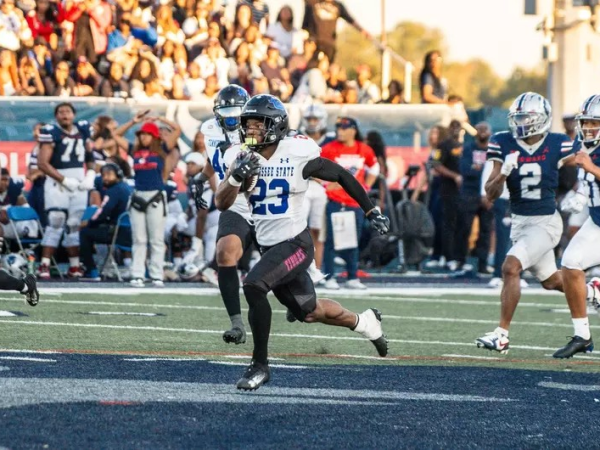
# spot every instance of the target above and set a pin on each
(232, 223)
(283, 270)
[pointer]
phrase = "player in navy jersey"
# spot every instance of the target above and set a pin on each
(63, 155)
(583, 250)
(527, 158)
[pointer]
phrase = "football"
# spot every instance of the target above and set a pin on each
(249, 183)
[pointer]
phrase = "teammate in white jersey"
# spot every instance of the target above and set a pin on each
(284, 165)
(235, 232)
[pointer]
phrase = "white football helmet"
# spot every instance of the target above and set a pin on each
(529, 115)
(314, 111)
(589, 133)
(187, 271)
(15, 264)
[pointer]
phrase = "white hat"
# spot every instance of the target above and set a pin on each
(196, 158)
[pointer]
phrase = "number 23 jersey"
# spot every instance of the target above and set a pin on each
(276, 203)
(533, 182)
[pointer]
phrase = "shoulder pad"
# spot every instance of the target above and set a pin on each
(211, 128)
(301, 146)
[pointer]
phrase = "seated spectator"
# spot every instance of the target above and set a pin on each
(260, 85)
(433, 87)
(336, 84)
(114, 85)
(29, 77)
(61, 84)
(14, 31)
(276, 73)
(284, 33)
(241, 22)
(41, 57)
(11, 194)
(395, 93)
(260, 10)
(143, 73)
(86, 79)
(120, 35)
(368, 92)
(166, 66)
(212, 61)
(101, 227)
(212, 87)
(196, 30)
(193, 83)
(313, 85)
(350, 93)
(9, 75)
(298, 64)
(44, 21)
(242, 65)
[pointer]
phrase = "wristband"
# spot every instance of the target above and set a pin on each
(232, 181)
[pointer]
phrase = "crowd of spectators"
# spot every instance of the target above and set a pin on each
(178, 49)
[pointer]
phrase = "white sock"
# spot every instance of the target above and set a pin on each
(127, 262)
(25, 289)
(590, 293)
(74, 261)
(45, 261)
(368, 326)
(501, 331)
(582, 328)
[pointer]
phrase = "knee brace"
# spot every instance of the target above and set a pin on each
(55, 228)
(71, 238)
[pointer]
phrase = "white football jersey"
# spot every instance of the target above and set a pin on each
(277, 201)
(213, 136)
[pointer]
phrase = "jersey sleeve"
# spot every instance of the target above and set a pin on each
(567, 148)
(86, 130)
(46, 135)
(494, 151)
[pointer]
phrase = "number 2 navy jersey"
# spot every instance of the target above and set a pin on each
(592, 186)
(277, 201)
(533, 182)
(216, 143)
(69, 148)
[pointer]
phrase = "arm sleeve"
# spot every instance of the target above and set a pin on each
(327, 170)
(494, 152)
(103, 213)
(567, 149)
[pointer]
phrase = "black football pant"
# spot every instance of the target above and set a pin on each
(471, 207)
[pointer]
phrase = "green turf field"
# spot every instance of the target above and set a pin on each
(430, 329)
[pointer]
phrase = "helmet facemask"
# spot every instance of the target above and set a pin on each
(527, 124)
(228, 117)
(267, 133)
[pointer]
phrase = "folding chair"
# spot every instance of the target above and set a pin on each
(21, 214)
(122, 222)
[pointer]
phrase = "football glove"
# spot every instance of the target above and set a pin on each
(197, 189)
(88, 181)
(70, 184)
(574, 202)
(379, 222)
(510, 163)
(245, 165)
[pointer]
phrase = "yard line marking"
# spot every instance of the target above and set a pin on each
(33, 352)
(288, 335)
(276, 366)
(25, 358)
(246, 357)
(220, 308)
(569, 387)
(162, 359)
(490, 358)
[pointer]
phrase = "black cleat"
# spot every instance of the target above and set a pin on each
(576, 345)
(255, 376)
(236, 336)
(289, 316)
(381, 344)
(32, 296)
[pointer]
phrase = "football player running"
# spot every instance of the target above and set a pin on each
(235, 231)
(528, 158)
(63, 153)
(285, 164)
(583, 250)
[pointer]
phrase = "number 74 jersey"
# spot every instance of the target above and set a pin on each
(277, 201)
(533, 182)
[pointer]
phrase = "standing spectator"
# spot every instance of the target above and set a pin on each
(212, 61)
(101, 227)
(61, 84)
(44, 21)
(92, 19)
(35, 198)
(320, 20)
(121, 35)
(350, 152)
(395, 93)
(114, 85)
(472, 204)
(260, 10)
(166, 27)
(143, 73)
(446, 162)
(41, 57)
(152, 161)
(29, 77)
(313, 85)
(285, 34)
(9, 75)
(86, 79)
(433, 87)
(241, 22)
(368, 92)
(375, 141)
